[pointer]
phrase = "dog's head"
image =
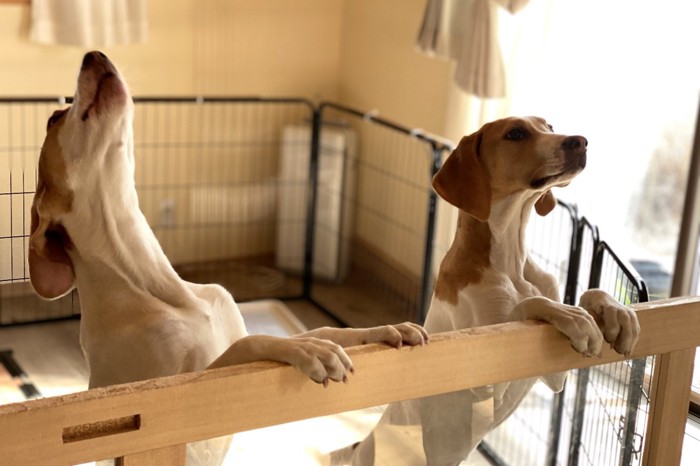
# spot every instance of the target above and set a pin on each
(87, 152)
(509, 156)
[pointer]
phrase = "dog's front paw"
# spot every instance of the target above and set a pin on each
(619, 323)
(321, 360)
(398, 334)
(574, 322)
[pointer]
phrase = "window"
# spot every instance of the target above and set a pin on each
(624, 74)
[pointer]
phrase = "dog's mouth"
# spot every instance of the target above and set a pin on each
(542, 182)
(100, 86)
(57, 242)
(98, 93)
(571, 167)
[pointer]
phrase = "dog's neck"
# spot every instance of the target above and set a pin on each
(496, 244)
(113, 243)
(508, 224)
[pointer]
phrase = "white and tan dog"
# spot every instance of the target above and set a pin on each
(139, 319)
(495, 177)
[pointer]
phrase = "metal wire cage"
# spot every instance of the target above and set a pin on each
(22, 129)
(530, 436)
(281, 198)
(209, 182)
(600, 416)
(387, 188)
(270, 197)
(611, 402)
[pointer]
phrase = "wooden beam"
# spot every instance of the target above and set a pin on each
(168, 456)
(132, 418)
(673, 372)
(670, 396)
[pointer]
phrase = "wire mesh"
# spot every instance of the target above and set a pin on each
(549, 241)
(600, 416)
(208, 180)
(387, 194)
(524, 438)
(225, 185)
(612, 401)
(22, 128)
(210, 184)
(588, 239)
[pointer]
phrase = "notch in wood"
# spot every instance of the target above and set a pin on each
(101, 428)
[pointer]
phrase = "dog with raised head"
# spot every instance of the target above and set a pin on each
(495, 177)
(139, 319)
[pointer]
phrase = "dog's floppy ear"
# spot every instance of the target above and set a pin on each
(546, 203)
(50, 268)
(462, 180)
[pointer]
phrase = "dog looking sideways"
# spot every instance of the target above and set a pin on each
(495, 177)
(139, 320)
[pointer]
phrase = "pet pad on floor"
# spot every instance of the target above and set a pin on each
(270, 317)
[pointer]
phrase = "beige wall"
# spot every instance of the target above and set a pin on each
(381, 69)
(358, 51)
(361, 51)
(262, 47)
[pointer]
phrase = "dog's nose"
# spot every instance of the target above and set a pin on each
(90, 58)
(87, 60)
(574, 143)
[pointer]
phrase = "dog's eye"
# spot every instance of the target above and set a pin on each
(551, 128)
(55, 117)
(516, 134)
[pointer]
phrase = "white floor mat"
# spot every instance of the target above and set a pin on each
(270, 317)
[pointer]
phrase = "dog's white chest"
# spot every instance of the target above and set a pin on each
(488, 302)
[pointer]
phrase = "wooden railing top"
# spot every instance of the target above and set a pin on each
(136, 417)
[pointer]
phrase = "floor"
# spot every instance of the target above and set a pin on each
(360, 300)
(50, 355)
(691, 443)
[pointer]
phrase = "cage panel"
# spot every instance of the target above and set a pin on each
(227, 186)
(385, 198)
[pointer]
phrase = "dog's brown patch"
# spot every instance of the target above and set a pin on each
(53, 197)
(50, 267)
(466, 260)
(462, 180)
(53, 192)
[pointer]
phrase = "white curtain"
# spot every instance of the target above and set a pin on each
(466, 31)
(89, 23)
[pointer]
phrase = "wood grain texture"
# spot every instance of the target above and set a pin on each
(168, 456)
(670, 397)
(188, 407)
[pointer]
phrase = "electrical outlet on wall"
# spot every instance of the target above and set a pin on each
(167, 213)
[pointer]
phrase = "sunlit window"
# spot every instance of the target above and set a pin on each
(624, 74)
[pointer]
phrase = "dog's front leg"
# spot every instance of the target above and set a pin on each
(574, 322)
(321, 360)
(450, 432)
(394, 335)
(619, 323)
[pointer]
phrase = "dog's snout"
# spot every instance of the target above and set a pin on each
(575, 143)
(87, 60)
(90, 58)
